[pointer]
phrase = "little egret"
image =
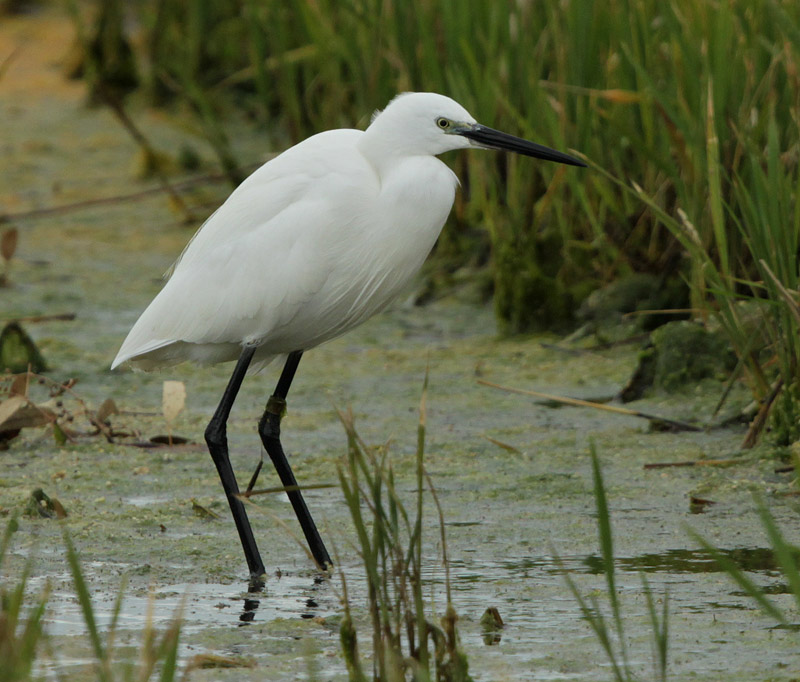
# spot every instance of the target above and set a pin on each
(313, 243)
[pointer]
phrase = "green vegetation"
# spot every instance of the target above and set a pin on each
(611, 635)
(23, 637)
(786, 559)
(405, 641)
(610, 629)
(20, 634)
(688, 111)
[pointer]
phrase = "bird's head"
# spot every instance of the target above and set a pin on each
(428, 123)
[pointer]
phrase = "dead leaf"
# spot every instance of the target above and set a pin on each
(492, 626)
(41, 504)
(173, 400)
(19, 384)
(59, 435)
(203, 512)
(698, 505)
(505, 446)
(105, 410)
(18, 352)
(207, 661)
(8, 243)
(167, 440)
(9, 407)
(58, 508)
(18, 413)
(491, 619)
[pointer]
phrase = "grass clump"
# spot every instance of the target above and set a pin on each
(610, 630)
(21, 630)
(407, 643)
(23, 634)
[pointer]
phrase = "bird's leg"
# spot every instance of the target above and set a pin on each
(269, 428)
(217, 440)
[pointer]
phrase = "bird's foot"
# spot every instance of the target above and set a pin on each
(257, 582)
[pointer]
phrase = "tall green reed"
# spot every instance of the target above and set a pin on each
(677, 96)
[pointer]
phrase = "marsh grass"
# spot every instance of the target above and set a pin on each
(786, 557)
(407, 642)
(610, 629)
(745, 279)
(21, 617)
(23, 632)
(157, 652)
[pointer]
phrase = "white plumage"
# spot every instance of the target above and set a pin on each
(314, 242)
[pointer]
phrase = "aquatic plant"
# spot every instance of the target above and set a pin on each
(611, 635)
(23, 631)
(405, 639)
(786, 559)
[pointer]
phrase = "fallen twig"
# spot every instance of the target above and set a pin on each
(760, 420)
(57, 317)
(664, 311)
(119, 198)
(287, 489)
(575, 402)
(605, 345)
(608, 345)
(6, 63)
(695, 463)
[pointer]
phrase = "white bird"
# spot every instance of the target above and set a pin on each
(313, 243)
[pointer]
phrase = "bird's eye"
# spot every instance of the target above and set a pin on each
(443, 123)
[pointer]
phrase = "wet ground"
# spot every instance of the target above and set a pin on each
(508, 511)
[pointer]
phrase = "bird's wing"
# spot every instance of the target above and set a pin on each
(269, 249)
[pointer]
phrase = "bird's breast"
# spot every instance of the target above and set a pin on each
(406, 219)
(415, 199)
(372, 257)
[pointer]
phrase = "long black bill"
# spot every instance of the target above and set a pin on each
(494, 139)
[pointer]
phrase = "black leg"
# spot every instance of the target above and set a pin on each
(217, 440)
(269, 428)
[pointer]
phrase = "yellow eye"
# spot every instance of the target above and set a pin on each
(443, 123)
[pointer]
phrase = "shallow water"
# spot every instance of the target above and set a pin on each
(508, 513)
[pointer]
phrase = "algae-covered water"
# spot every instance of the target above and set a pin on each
(509, 510)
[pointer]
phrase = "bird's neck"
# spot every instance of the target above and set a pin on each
(383, 151)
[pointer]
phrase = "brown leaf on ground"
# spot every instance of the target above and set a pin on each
(8, 243)
(105, 410)
(17, 412)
